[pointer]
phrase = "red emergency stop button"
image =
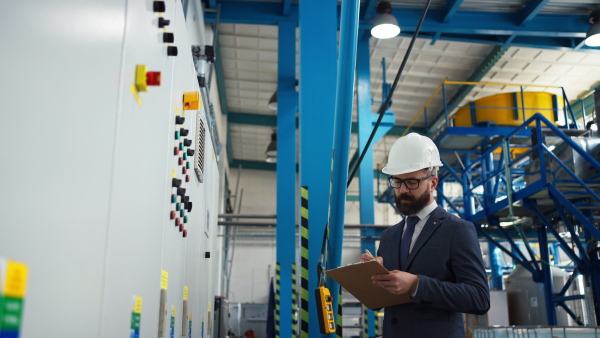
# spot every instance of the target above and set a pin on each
(153, 78)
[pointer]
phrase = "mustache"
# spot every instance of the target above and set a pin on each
(406, 196)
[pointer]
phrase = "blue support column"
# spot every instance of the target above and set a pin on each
(341, 141)
(365, 174)
(287, 106)
(318, 55)
(496, 265)
(547, 276)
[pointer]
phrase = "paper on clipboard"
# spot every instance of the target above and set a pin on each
(356, 278)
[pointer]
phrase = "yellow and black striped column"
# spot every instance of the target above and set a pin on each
(304, 263)
(339, 330)
(277, 298)
(294, 302)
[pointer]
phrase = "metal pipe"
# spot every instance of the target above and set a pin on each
(246, 216)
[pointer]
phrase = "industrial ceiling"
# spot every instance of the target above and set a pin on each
(537, 42)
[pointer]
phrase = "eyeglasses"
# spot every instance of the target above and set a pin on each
(411, 183)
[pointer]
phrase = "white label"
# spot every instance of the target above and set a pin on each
(533, 301)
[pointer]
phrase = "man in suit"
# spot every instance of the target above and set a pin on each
(432, 255)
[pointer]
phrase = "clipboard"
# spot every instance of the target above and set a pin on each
(356, 279)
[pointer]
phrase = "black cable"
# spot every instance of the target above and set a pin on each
(384, 105)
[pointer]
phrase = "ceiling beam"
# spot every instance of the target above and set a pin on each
(463, 22)
(450, 9)
(270, 121)
(531, 10)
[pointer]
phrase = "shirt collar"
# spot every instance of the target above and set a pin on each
(427, 210)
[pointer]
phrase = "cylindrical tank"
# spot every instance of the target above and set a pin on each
(527, 303)
(506, 109)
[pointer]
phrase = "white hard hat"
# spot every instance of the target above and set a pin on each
(411, 153)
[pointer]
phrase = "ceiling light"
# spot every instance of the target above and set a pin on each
(271, 151)
(273, 101)
(592, 38)
(385, 25)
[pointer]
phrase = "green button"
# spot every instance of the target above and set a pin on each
(185, 156)
(188, 165)
(185, 219)
(177, 135)
(11, 309)
(178, 206)
(173, 198)
(180, 146)
(182, 213)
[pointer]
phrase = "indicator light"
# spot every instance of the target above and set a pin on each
(181, 227)
(185, 219)
(184, 233)
(173, 198)
(176, 152)
(184, 170)
(177, 221)
(182, 213)
(185, 157)
(180, 146)
(168, 37)
(158, 6)
(173, 214)
(178, 206)
(177, 135)
(188, 165)
(180, 161)
(187, 178)
(172, 51)
(191, 100)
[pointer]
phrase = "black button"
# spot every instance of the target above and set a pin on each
(187, 142)
(184, 132)
(179, 119)
(181, 191)
(158, 6)
(162, 22)
(172, 51)
(185, 199)
(188, 206)
(190, 152)
(168, 37)
(176, 182)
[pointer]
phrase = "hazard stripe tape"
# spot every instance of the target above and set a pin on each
(294, 301)
(304, 263)
(339, 331)
(277, 298)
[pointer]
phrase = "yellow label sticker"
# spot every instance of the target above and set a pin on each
(176, 110)
(172, 310)
(208, 306)
(15, 284)
(185, 292)
(173, 173)
(191, 313)
(137, 304)
(136, 95)
(164, 280)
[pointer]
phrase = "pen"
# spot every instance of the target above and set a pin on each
(369, 252)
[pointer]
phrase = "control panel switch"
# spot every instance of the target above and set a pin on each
(144, 78)
(191, 100)
(162, 22)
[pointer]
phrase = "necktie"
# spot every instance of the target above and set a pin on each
(406, 239)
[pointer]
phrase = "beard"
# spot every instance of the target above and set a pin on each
(415, 205)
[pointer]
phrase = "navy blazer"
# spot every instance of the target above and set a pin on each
(452, 279)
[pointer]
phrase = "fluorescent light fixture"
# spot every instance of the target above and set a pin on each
(385, 25)
(592, 38)
(273, 101)
(271, 151)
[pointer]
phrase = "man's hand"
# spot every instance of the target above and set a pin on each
(367, 257)
(396, 282)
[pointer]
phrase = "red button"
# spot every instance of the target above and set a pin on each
(181, 228)
(177, 222)
(184, 233)
(176, 151)
(184, 170)
(172, 214)
(153, 78)
(180, 161)
(187, 178)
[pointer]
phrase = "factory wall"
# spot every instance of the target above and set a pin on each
(88, 161)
